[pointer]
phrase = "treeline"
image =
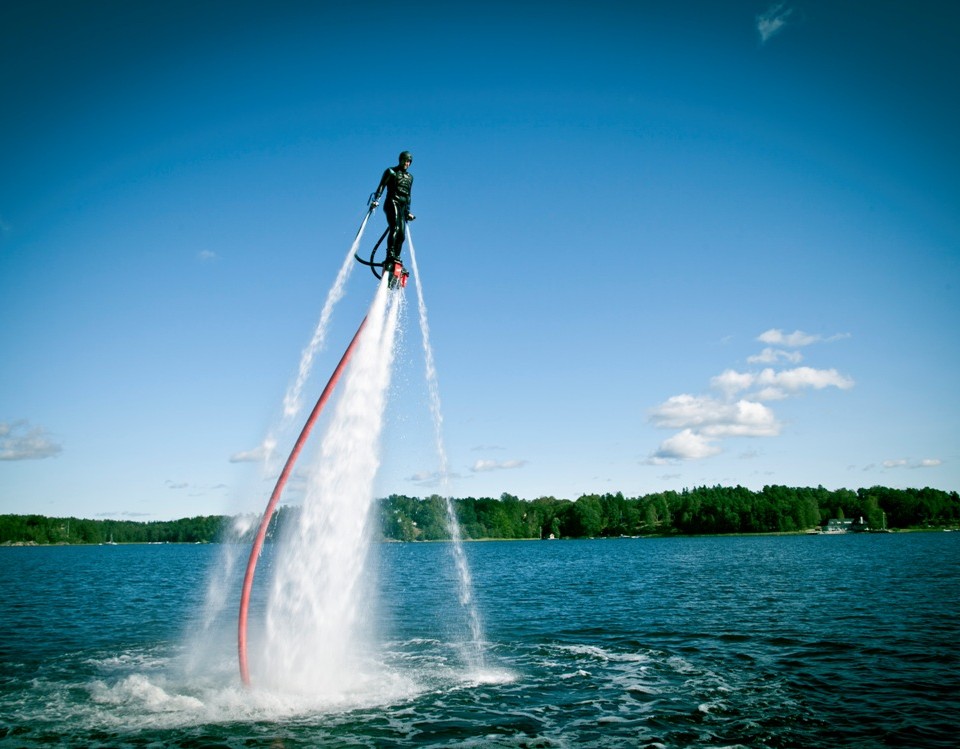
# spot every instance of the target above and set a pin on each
(39, 529)
(701, 510)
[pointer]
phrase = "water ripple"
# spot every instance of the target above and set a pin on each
(674, 663)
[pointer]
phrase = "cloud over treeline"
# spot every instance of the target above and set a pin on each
(737, 407)
(483, 466)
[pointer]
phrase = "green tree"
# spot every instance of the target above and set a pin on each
(587, 517)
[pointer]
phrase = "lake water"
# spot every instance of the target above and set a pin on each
(683, 642)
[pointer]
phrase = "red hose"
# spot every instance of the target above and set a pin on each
(272, 504)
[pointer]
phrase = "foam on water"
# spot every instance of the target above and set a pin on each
(149, 690)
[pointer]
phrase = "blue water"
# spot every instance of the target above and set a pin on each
(684, 642)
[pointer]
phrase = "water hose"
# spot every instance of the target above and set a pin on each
(275, 498)
(371, 263)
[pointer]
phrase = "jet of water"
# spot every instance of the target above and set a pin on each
(291, 401)
(475, 652)
(315, 630)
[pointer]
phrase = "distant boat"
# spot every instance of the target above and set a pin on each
(111, 542)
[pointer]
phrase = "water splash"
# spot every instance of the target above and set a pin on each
(318, 639)
(474, 653)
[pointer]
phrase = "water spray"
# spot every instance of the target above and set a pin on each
(319, 623)
(291, 401)
(275, 498)
(328, 545)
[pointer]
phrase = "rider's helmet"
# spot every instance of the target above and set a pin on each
(405, 156)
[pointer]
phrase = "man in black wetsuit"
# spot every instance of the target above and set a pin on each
(398, 183)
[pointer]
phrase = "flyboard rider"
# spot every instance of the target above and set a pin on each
(398, 183)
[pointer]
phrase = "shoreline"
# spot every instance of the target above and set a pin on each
(766, 534)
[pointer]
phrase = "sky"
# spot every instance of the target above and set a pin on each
(661, 245)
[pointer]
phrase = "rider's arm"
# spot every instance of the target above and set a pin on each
(383, 183)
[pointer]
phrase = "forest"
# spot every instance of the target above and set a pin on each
(38, 529)
(697, 511)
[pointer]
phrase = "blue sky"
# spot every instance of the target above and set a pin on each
(661, 245)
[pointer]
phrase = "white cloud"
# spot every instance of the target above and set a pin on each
(20, 441)
(746, 419)
(795, 339)
(731, 382)
(778, 384)
(261, 453)
(249, 456)
(685, 445)
(773, 356)
(740, 411)
(206, 256)
(794, 380)
(905, 463)
(772, 21)
(713, 418)
(432, 478)
(770, 394)
(482, 466)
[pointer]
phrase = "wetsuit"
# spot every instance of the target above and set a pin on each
(398, 184)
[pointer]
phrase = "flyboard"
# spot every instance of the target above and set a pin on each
(397, 275)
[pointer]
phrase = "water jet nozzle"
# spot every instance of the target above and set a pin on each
(397, 274)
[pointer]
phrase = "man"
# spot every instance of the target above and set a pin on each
(398, 183)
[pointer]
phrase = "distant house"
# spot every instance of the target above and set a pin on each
(834, 525)
(844, 525)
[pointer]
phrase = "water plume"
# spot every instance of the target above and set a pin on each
(474, 653)
(317, 633)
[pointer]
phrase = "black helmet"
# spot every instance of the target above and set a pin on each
(405, 156)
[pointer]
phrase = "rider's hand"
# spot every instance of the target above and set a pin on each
(411, 217)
